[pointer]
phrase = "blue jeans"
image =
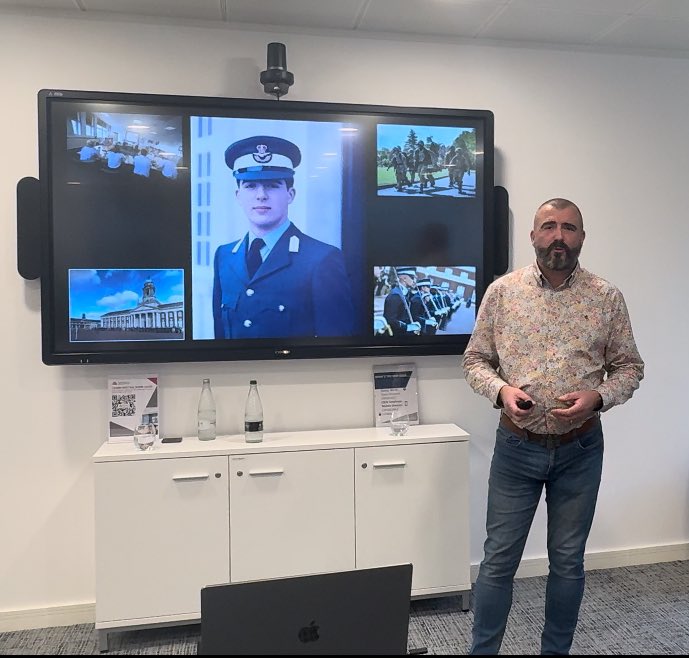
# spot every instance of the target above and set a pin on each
(519, 470)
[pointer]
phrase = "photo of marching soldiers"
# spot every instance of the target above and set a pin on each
(426, 161)
(424, 300)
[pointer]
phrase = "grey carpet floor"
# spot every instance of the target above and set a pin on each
(640, 610)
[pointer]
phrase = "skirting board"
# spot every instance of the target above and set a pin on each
(605, 560)
(59, 615)
(85, 613)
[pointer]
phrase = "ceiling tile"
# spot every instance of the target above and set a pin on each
(666, 9)
(326, 14)
(642, 24)
(433, 17)
(198, 9)
(547, 26)
(608, 7)
(38, 4)
(648, 32)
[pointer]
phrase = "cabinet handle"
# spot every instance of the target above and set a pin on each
(276, 471)
(189, 478)
(400, 464)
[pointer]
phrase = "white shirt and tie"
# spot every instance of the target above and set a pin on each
(260, 248)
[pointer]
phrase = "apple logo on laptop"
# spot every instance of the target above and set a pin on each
(309, 633)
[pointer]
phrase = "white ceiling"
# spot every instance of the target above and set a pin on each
(652, 26)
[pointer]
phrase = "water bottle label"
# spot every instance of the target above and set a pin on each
(253, 426)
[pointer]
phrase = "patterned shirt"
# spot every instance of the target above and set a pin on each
(549, 342)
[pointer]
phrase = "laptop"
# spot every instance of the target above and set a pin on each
(360, 612)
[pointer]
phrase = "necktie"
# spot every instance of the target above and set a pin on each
(253, 258)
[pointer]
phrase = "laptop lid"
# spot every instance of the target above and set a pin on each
(359, 612)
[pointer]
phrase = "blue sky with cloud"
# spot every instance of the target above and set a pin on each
(390, 135)
(95, 292)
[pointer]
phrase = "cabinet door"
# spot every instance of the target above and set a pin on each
(162, 533)
(412, 505)
(292, 513)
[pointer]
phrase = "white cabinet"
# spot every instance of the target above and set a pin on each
(162, 533)
(195, 513)
(292, 513)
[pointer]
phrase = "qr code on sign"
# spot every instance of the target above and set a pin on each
(123, 405)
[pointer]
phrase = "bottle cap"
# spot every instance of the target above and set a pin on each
(253, 381)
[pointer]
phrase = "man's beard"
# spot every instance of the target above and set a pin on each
(547, 257)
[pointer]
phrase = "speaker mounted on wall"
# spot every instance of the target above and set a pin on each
(502, 230)
(28, 228)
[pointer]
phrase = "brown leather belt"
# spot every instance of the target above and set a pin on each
(547, 440)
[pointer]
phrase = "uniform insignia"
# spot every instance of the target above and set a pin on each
(262, 154)
(294, 244)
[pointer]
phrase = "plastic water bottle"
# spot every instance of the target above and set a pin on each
(253, 415)
(206, 417)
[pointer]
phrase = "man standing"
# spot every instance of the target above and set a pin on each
(553, 347)
(397, 161)
(276, 281)
(396, 308)
(420, 306)
(423, 161)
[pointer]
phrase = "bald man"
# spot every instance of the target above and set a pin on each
(552, 348)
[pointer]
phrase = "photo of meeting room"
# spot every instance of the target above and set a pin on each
(123, 305)
(423, 300)
(135, 147)
(426, 161)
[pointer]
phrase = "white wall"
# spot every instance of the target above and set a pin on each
(607, 131)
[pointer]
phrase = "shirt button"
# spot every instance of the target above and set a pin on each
(281, 308)
(247, 323)
(249, 292)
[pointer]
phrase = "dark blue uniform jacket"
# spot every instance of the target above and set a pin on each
(301, 289)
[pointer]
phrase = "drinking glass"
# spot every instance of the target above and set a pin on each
(399, 422)
(144, 436)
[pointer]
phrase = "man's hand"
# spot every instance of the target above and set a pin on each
(582, 404)
(509, 396)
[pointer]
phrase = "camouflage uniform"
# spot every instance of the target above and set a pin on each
(424, 161)
(397, 161)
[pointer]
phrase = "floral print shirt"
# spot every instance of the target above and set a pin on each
(549, 342)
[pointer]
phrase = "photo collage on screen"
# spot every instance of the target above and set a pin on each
(196, 229)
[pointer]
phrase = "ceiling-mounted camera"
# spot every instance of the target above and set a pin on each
(276, 79)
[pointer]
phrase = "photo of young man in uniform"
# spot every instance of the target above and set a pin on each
(276, 281)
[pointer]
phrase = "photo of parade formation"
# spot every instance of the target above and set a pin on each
(423, 300)
(126, 305)
(426, 161)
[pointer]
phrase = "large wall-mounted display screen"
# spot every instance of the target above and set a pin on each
(190, 229)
